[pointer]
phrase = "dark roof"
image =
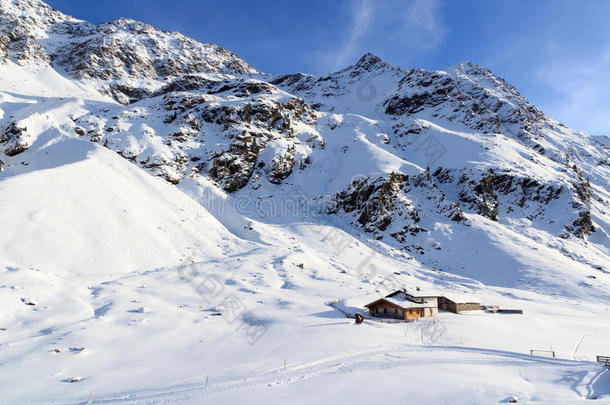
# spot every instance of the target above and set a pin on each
(457, 298)
(402, 304)
(411, 294)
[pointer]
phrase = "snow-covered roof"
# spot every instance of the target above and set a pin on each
(455, 296)
(425, 293)
(459, 297)
(402, 303)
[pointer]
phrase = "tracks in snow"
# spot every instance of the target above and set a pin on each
(582, 338)
(369, 359)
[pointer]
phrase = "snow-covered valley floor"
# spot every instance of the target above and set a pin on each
(154, 330)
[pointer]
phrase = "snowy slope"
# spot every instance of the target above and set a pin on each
(186, 219)
(604, 140)
(92, 213)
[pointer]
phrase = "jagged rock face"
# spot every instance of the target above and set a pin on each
(583, 226)
(225, 129)
(17, 45)
(498, 196)
(24, 28)
(582, 196)
(3, 49)
(484, 199)
(373, 201)
(14, 139)
(468, 95)
(395, 203)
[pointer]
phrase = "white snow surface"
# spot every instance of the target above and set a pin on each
(136, 268)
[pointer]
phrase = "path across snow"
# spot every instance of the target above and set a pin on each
(530, 377)
(582, 338)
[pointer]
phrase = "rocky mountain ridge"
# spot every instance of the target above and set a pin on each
(399, 154)
(112, 54)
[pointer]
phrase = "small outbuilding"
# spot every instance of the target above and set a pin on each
(458, 304)
(403, 304)
(455, 302)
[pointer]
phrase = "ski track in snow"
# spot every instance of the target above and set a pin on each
(376, 358)
(582, 338)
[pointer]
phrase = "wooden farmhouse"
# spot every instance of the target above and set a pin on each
(402, 304)
(398, 306)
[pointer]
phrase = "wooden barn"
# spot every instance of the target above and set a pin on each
(451, 301)
(397, 306)
(458, 304)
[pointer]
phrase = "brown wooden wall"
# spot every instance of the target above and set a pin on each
(391, 311)
(398, 313)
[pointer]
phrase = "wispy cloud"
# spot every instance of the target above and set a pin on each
(361, 19)
(423, 23)
(389, 27)
(580, 92)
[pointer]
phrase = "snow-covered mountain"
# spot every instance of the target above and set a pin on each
(604, 140)
(292, 190)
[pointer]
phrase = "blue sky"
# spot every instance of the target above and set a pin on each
(556, 52)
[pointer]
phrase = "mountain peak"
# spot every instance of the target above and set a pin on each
(468, 67)
(368, 60)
